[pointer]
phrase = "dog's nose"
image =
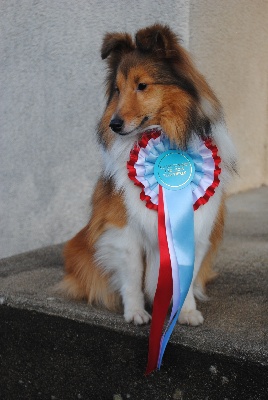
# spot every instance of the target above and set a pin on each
(116, 124)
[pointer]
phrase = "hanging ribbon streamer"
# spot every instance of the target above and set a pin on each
(175, 183)
(163, 293)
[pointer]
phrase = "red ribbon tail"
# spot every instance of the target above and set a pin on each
(164, 290)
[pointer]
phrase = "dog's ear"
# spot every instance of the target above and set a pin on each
(115, 44)
(159, 40)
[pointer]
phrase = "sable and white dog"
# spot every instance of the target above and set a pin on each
(114, 260)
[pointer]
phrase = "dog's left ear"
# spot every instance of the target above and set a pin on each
(159, 40)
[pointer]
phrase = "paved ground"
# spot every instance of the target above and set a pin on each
(225, 358)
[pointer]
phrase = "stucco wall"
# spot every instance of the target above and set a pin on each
(51, 90)
(229, 40)
(51, 97)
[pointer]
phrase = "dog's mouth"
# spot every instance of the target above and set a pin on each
(118, 126)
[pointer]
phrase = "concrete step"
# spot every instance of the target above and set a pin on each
(53, 348)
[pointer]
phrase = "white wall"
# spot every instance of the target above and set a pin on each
(51, 96)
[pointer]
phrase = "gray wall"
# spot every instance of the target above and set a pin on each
(51, 96)
(230, 42)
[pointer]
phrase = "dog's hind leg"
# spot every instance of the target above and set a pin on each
(83, 279)
(206, 273)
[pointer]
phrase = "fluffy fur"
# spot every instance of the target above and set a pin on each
(114, 260)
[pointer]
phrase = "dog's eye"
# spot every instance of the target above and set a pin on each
(142, 86)
(116, 89)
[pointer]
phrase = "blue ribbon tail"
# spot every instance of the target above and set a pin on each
(181, 217)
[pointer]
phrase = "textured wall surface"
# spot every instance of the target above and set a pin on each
(229, 40)
(51, 97)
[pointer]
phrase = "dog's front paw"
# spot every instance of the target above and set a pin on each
(138, 317)
(191, 317)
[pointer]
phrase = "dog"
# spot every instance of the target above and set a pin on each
(113, 262)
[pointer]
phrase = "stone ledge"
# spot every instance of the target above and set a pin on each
(103, 356)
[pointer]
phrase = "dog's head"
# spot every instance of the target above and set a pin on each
(152, 81)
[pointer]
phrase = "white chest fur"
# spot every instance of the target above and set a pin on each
(141, 233)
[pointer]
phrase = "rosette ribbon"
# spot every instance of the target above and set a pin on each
(174, 183)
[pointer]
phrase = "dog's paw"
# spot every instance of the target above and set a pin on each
(191, 317)
(138, 317)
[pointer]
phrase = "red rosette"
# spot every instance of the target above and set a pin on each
(143, 143)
